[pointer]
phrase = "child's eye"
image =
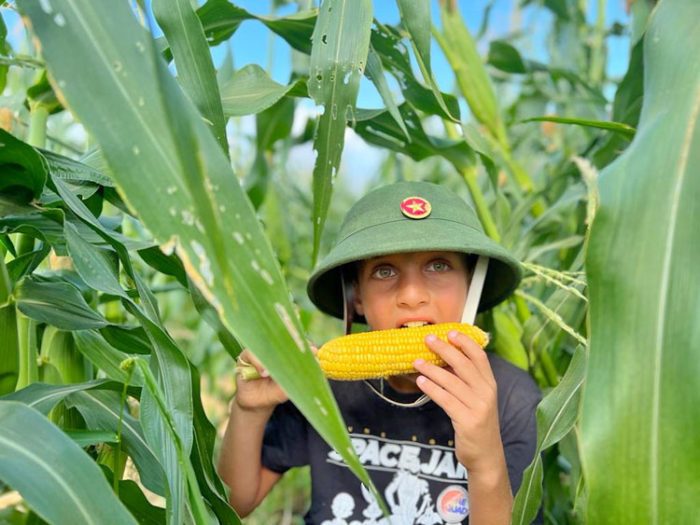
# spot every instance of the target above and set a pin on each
(438, 266)
(383, 272)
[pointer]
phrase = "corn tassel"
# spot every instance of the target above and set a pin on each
(380, 353)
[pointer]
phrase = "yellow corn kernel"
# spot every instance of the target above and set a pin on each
(384, 353)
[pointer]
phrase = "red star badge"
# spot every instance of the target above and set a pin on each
(415, 207)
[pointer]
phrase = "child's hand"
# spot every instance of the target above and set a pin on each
(259, 393)
(466, 391)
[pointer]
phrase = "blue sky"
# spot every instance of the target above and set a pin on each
(254, 43)
(503, 20)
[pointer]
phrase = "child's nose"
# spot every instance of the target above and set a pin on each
(412, 292)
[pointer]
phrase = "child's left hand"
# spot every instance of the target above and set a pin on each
(467, 392)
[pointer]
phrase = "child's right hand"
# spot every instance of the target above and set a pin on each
(257, 394)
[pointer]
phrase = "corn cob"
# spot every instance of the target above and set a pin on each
(381, 353)
(384, 353)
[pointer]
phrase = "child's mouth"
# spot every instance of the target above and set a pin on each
(411, 324)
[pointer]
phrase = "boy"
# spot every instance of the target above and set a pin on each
(404, 257)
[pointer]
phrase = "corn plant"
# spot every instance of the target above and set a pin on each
(110, 250)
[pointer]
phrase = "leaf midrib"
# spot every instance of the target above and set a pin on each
(53, 474)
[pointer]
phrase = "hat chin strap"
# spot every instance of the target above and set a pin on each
(476, 286)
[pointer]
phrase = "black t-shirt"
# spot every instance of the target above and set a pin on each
(408, 452)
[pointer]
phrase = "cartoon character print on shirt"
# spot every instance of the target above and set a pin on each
(408, 493)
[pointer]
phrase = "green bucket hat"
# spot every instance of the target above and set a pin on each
(410, 217)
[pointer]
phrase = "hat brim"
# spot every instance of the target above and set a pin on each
(431, 234)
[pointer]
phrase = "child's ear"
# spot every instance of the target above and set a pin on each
(357, 300)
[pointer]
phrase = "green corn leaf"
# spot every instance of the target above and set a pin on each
(57, 303)
(387, 42)
(506, 341)
(46, 224)
(162, 413)
(9, 350)
(415, 16)
(195, 69)
(5, 49)
(338, 58)
(375, 72)
(556, 415)
(626, 106)
(250, 90)
(640, 412)
(68, 169)
(55, 477)
(133, 499)
(232, 264)
(104, 356)
(20, 166)
(505, 57)
(85, 438)
(202, 453)
(101, 410)
(381, 129)
(92, 263)
(617, 127)
(127, 339)
(168, 362)
(220, 19)
(43, 397)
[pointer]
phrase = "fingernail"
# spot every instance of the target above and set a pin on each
(420, 380)
(452, 334)
(418, 362)
(430, 338)
(264, 373)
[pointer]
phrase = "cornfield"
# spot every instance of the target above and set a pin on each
(147, 237)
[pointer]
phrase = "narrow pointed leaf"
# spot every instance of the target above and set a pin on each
(556, 415)
(195, 69)
(55, 477)
(415, 16)
(640, 413)
(338, 58)
(375, 72)
(617, 127)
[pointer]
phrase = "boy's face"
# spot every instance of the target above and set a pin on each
(415, 287)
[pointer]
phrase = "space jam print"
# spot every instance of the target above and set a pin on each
(415, 468)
